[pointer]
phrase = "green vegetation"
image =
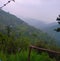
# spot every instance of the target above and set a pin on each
(16, 36)
(23, 56)
(58, 19)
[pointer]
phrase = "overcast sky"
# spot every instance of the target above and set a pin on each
(46, 10)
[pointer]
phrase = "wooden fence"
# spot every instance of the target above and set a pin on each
(50, 52)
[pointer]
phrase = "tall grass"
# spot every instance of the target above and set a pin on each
(3, 57)
(23, 56)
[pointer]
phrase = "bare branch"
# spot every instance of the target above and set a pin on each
(6, 3)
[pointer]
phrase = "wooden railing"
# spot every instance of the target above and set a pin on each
(50, 52)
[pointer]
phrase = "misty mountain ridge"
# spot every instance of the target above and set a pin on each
(39, 24)
(51, 31)
(9, 19)
(48, 28)
(21, 28)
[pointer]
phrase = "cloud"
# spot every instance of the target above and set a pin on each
(29, 2)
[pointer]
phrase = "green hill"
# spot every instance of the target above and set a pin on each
(21, 31)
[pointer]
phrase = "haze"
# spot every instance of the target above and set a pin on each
(45, 10)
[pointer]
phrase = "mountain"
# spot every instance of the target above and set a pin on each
(9, 19)
(39, 24)
(50, 29)
(21, 28)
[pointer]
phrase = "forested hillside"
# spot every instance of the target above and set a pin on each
(20, 27)
(16, 36)
(48, 28)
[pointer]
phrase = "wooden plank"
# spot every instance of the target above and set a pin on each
(42, 50)
(45, 50)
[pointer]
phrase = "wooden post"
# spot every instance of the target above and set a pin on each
(30, 48)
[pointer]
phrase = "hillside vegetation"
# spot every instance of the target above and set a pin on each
(17, 36)
(48, 28)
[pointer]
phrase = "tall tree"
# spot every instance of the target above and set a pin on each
(8, 28)
(58, 20)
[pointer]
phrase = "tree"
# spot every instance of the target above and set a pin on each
(8, 28)
(58, 19)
